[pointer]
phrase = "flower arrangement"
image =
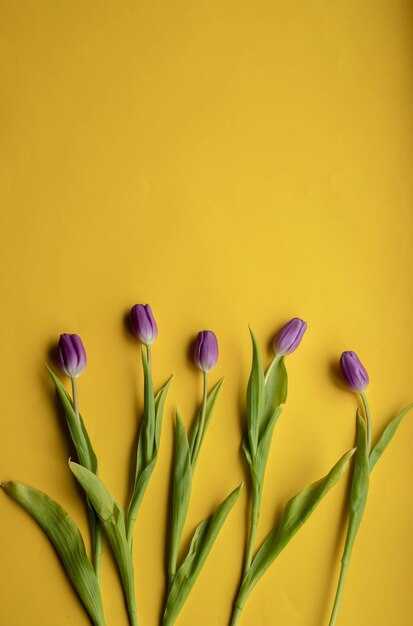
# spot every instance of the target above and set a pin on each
(265, 398)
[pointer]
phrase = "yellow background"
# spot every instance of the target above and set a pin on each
(230, 162)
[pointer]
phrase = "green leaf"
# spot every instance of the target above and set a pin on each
(387, 436)
(76, 427)
(159, 407)
(201, 544)
(181, 492)
(211, 401)
(359, 485)
(112, 518)
(255, 396)
(143, 470)
(295, 514)
(67, 540)
(276, 387)
(264, 445)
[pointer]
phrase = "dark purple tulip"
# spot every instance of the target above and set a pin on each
(143, 323)
(206, 350)
(289, 337)
(71, 355)
(354, 374)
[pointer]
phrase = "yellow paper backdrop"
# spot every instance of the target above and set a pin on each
(230, 162)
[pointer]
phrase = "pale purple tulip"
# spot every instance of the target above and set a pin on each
(289, 337)
(143, 323)
(206, 350)
(71, 355)
(354, 374)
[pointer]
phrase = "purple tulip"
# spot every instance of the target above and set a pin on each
(143, 323)
(289, 337)
(354, 374)
(71, 355)
(206, 350)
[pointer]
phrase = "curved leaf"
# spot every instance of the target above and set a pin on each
(67, 540)
(181, 492)
(387, 436)
(201, 544)
(112, 518)
(255, 397)
(295, 514)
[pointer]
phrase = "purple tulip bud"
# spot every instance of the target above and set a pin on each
(143, 323)
(354, 374)
(71, 355)
(289, 337)
(206, 350)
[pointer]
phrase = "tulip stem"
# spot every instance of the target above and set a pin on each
(368, 419)
(149, 355)
(255, 513)
(75, 396)
(200, 433)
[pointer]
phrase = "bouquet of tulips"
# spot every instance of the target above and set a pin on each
(265, 399)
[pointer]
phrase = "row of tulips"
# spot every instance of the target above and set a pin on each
(266, 396)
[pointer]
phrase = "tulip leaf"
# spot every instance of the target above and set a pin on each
(143, 467)
(358, 499)
(387, 436)
(201, 544)
(276, 387)
(76, 426)
(264, 445)
(211, 401)
(159, 408)
(255, 397)
(67, 540)
(86, 457)
(295, 514)
(181, 492)
(112, 518)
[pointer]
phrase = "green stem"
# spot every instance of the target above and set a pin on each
(75, 396)
(368, 419)
(98, 548)
(236, 615)
(340, 586)
(200, 433)
(149, 355)
(255, 513)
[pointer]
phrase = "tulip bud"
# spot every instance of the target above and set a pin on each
(354, 374)
(143, 323)
(289, 337)
(206, 350)
(71, 355)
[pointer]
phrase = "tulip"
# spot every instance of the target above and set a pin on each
(289, 337)
(71, 355)
(206, 350)
(143, 324)
(354, 374)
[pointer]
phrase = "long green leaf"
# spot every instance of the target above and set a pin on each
(211, 401)
(181, 492)
(202, 542)
(295, 514)
(387, 436)
(255, 397)
(86, 456)
(76, 427)
(143, 469)
(276, 388)
(112, 518)
(67, 540)
(358, 499)
(159, 408)
(264, 445)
